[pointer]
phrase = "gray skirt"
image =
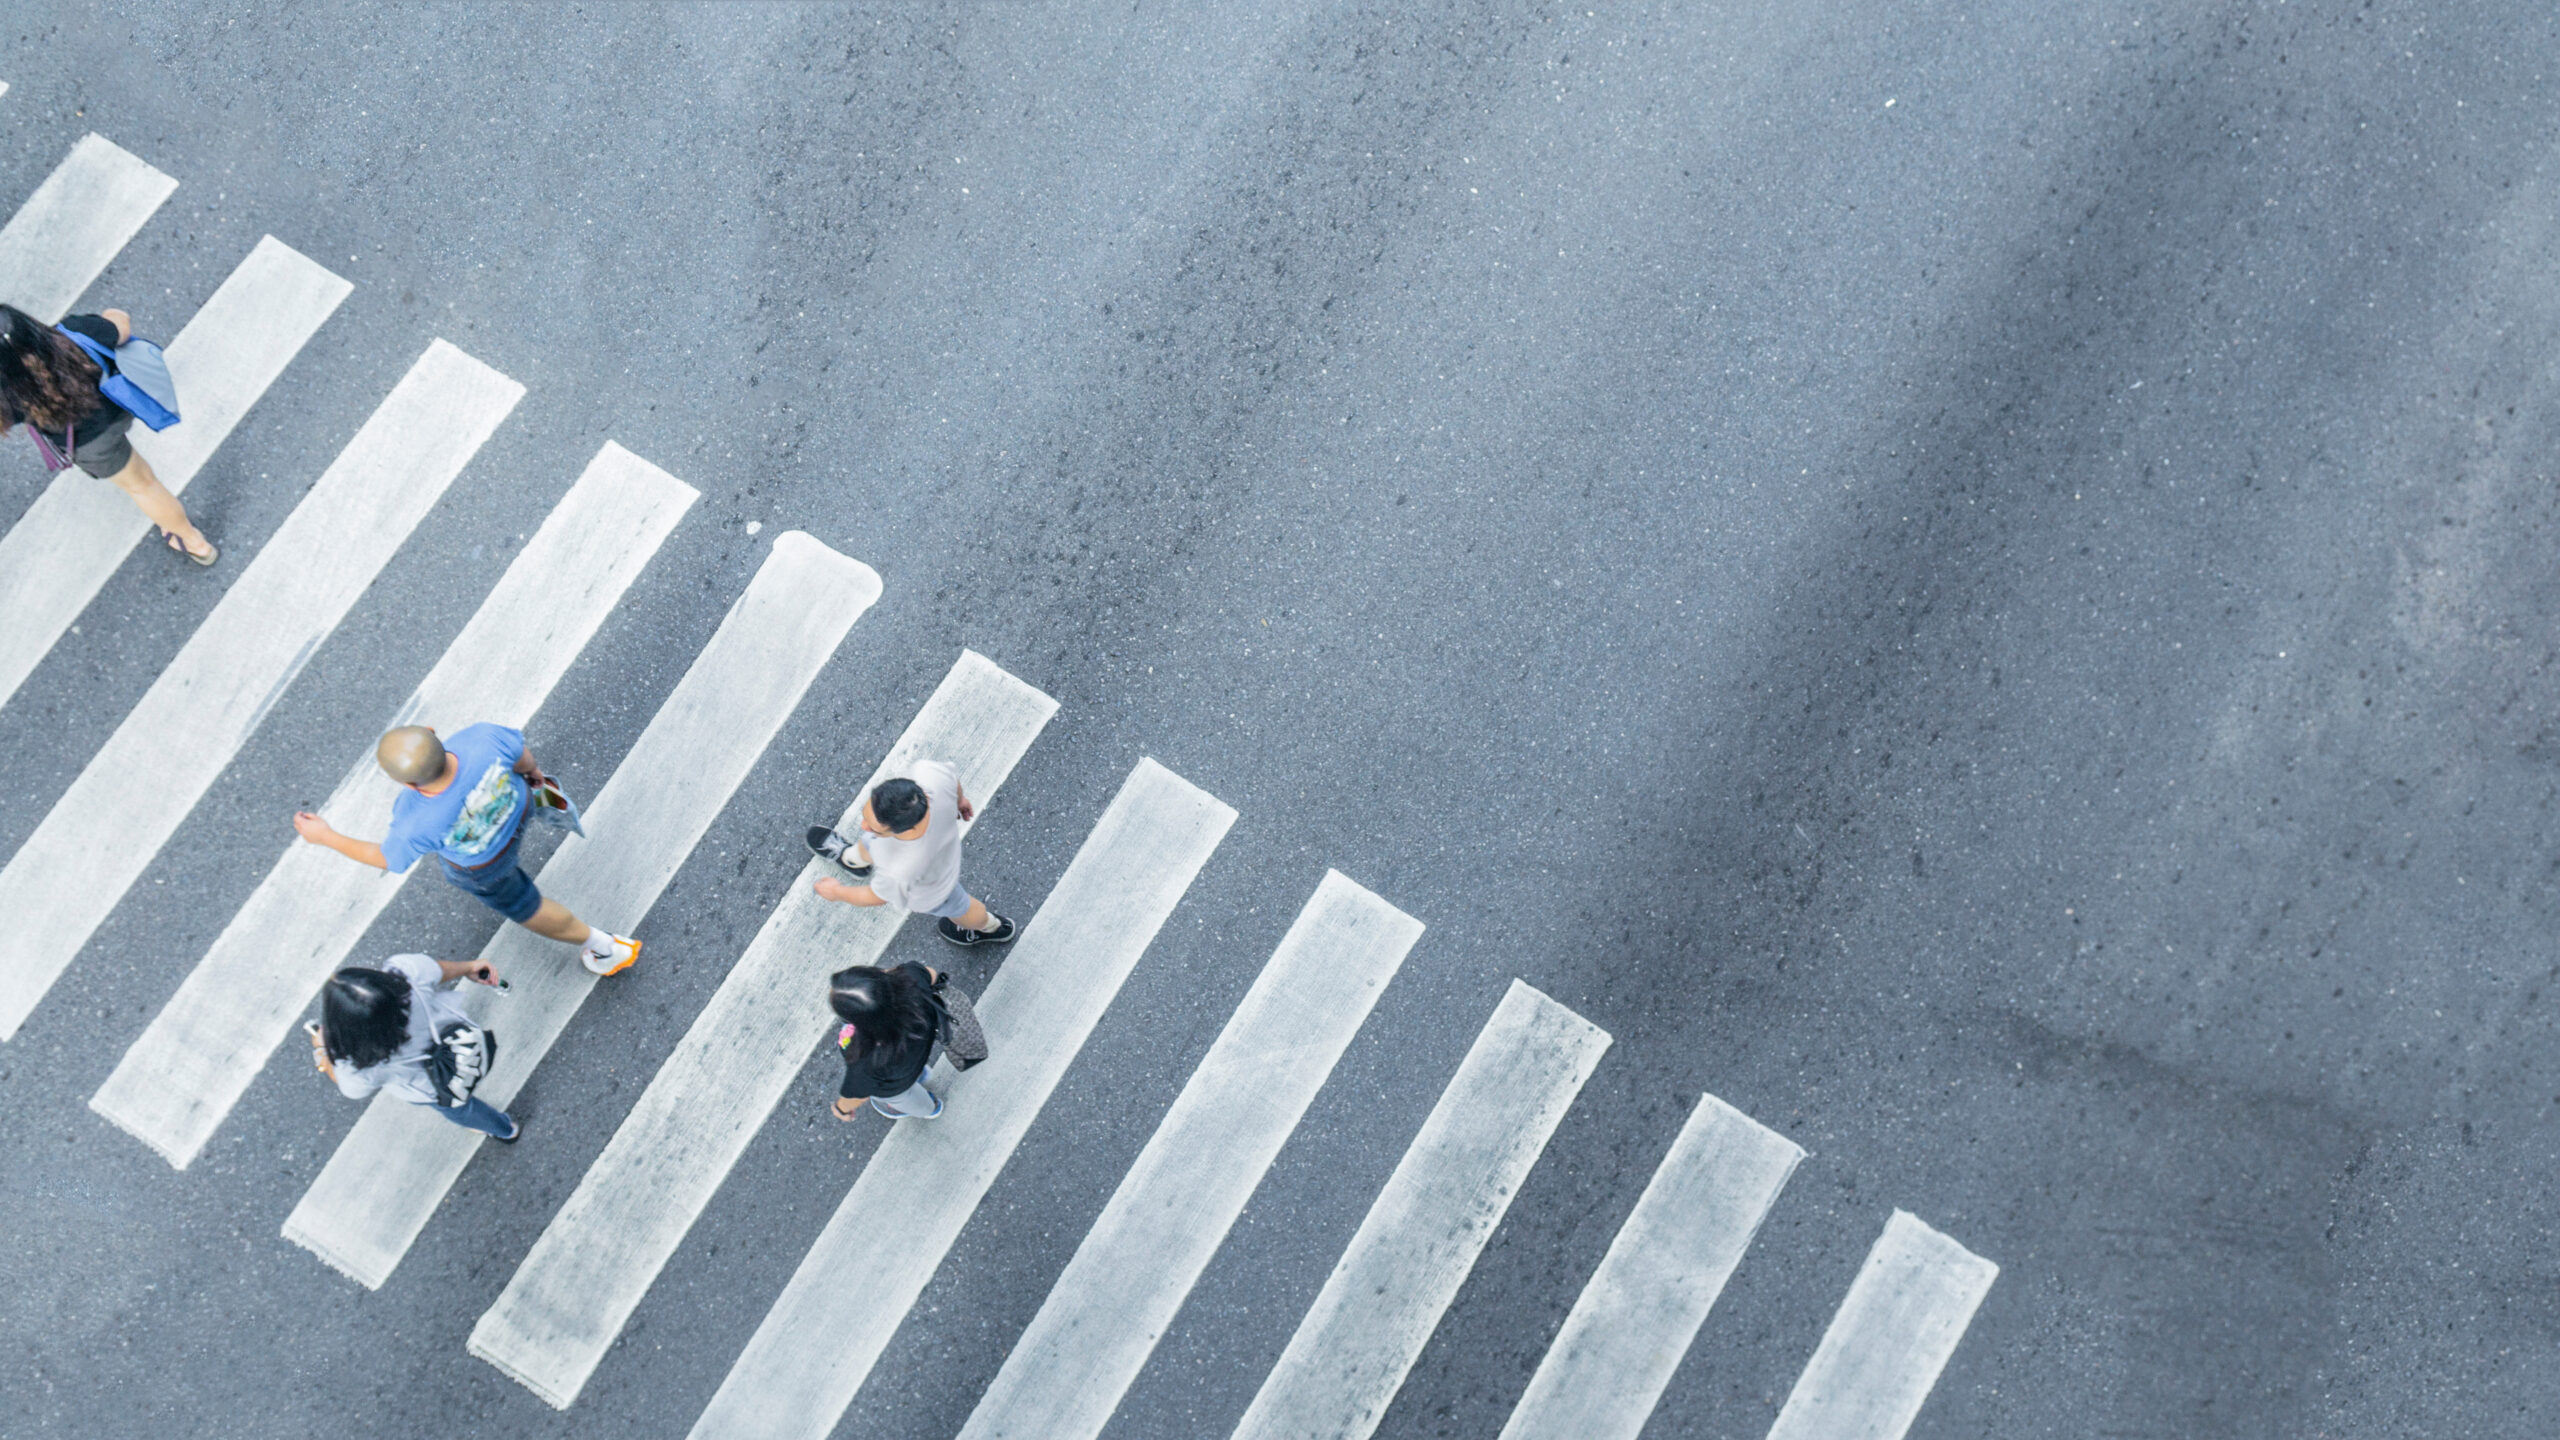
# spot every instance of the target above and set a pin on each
(107, 452)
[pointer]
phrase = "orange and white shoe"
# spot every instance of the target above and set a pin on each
(620, 953)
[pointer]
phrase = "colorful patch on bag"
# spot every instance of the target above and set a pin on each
(844, 1038)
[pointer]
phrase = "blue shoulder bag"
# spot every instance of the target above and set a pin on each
(135, 375)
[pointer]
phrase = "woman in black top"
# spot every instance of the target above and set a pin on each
(890, 1025)
(46, 382)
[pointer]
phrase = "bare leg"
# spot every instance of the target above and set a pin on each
(156, 503)
(554, 922)
(978, 917)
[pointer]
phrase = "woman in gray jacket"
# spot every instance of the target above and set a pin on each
(376, 1027)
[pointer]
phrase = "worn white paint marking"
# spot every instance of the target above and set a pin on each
(206, 1046)
(575, 1291)
(1425, 1229)
(1138, 1263)
(61, 552)
(1609, 1364)
(83, 213)
(386, 1179)
(927, 1178)
(1879, 1360)
(126, 804)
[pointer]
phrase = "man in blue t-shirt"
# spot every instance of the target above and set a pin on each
(465, 804)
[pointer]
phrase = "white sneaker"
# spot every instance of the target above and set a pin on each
(621, 952)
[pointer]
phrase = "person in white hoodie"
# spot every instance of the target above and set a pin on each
(908, 855)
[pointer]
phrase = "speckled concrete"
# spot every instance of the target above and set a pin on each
(1971, 578)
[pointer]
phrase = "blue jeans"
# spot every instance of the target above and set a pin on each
(499, 882)
(478, 1114)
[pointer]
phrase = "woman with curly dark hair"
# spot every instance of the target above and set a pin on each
(47, 384)
(890, 1025)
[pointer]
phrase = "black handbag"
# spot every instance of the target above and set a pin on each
(964, 1043)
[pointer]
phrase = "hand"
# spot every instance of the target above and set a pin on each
(483, 971)
(967, 810)
(844, 1114)
(312, 828)
(829, 888)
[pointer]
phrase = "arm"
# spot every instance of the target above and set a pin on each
(851, 1093)
(526, 768)
(122, 322)
(320, 1054)
(320, 832)
(967, 810)
(829, 888)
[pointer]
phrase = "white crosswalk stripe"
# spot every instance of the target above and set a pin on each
(61, 552)
(134, 792)
(66, 232)
(392, 1171)
(1423, 1233)
(822, 1336)
(1610, 1363)
(1138, 1263)
(200, 1053)
(598, 1257)
(1881, 1356)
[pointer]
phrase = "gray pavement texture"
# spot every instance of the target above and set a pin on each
(1973, 578)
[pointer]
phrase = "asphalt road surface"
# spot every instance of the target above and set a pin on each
(1972, 580)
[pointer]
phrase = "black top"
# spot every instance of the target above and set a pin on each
(889, 1070)
(95, 423)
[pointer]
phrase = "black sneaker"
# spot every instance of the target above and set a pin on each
(1001, 935)
(828, 845)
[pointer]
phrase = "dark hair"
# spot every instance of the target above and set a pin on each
(45, 380)
(898, 805)
(887, 1009)
(364, 1015)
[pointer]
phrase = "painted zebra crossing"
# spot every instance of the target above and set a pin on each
(392, 1171)
(1071, 960)
(1643, 1309)
(1120, 1293)
(195, 1060)
(572, 1295)
(132, 795)
(1424, 1231)
(54, 561)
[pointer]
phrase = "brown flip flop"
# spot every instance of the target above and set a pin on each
(212, 553)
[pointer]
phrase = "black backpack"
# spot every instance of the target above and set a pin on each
(461, 1058)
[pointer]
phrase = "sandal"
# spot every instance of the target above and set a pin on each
(212, 552)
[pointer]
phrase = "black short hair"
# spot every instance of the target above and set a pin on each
(364, 1015)
(898, 805)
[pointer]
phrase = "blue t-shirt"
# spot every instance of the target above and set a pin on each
(476, 815)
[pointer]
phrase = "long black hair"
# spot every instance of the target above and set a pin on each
(887, 1009)
(364, 1015)
(45, 380)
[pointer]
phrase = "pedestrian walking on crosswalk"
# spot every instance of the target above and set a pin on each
(49, 384)
(890, 1026)
(381, 1029)
(908, 855)
(466, 804)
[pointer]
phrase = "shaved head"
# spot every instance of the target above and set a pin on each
(411, 755)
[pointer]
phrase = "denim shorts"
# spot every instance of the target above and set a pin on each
(953, 906)
(499, 883)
